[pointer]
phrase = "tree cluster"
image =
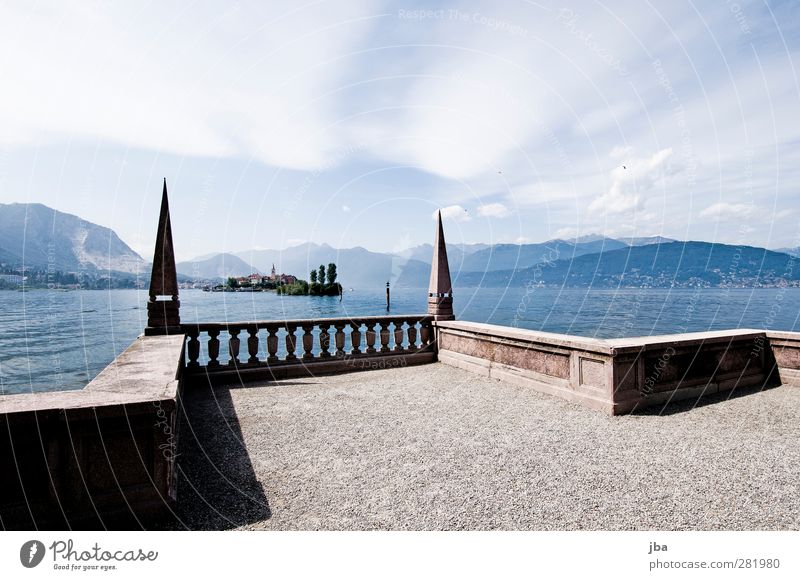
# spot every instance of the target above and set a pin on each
(323, 283)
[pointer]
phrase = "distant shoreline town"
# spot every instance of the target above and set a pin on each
(255, 282)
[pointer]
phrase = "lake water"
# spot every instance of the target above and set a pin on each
(56, 340)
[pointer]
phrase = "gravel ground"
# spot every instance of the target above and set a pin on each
(435, 447)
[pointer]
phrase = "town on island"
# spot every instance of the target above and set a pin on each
(322, 283)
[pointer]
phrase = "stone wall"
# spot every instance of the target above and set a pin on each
(574, 368)
(660, 369)
(785, 349)
(620, 376)
(100, 457)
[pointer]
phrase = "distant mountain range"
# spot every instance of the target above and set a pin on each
(36, 236)
(681, 264)
(589, 260)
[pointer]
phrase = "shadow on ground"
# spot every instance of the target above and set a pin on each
(686, 405)
(217, 486)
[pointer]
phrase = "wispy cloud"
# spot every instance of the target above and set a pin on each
(631, 181)
(728, 211)
(453, 212)
(735, 212)
(530, 106)
(494, 210)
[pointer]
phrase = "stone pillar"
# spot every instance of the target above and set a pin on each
(440, 290)
(163, 308)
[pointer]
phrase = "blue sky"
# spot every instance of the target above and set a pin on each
(351, 122)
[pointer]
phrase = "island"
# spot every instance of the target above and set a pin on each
(323, 283)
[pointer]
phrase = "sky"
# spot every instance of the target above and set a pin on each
(352, 122)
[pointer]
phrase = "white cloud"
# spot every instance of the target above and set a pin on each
(736, 212)
(728, 211)
(243, 80)
(620, 151)
(630, 184)
(494, 210)
(453, 212)
(326, 84)
(346, 208)
(566, 233)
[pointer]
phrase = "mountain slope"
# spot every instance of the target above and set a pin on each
(658, 265)
(216, 266)
(514, 256)
(36, 236)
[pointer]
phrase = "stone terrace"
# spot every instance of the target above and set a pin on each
(437, 447)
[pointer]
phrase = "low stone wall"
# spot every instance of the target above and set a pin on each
(574, 368)
(620, 376)
(100, 457)
(660, 369)
(785, 349)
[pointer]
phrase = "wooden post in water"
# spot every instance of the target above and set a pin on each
(388, 301)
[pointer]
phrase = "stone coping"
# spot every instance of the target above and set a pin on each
(783, 335)
(301, 322)
(684, 339)
(611, 346)
(532, 336)
(146, 371)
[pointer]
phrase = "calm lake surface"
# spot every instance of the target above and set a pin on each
(57, 340)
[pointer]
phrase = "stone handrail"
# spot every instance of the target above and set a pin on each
(277, 343)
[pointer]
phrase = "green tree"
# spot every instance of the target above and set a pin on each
(232, 283)
(331, 273)
(313, 276)
(321, 274)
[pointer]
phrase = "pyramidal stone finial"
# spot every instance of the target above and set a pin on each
(440, 290)
(163, 316)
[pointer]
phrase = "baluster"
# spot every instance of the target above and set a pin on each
(252, 344)
(324, 340)
(272, 344)
(213, 348)
(233, 345)
(398, 335)
(193, 349)
(425, 333)
(291, 343)
(355, 338)
(412, 334)
(384, 336)
(370, 337)
(308, 342)
(338, 338)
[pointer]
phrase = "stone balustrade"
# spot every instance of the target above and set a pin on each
(281, 348)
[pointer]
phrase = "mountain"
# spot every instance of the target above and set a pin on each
(515, 256)
(455, 252)
(646, 241)
(216, 266)
(39, 237)
(791, 251)
(655, 265)
(596, 261)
